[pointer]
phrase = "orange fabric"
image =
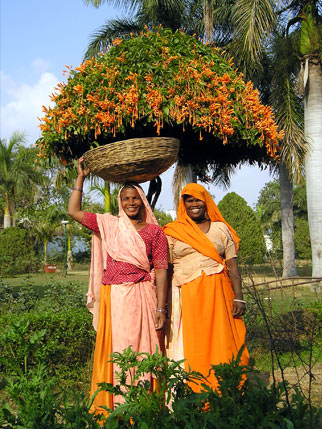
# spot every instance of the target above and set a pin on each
(211, 335)
(102, 369)
(186, 230)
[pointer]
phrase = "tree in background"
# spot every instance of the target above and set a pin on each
(269, 215)
(162, 217)
(174, 14)
(18, 175)
(243, 219)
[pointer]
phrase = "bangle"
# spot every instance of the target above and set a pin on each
(78, 189)
(239, 300)
(161, 310)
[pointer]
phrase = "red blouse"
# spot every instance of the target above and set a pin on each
(122, 272)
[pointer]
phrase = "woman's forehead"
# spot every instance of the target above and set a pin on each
(130, 192)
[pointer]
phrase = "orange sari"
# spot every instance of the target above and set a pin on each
(210, 334)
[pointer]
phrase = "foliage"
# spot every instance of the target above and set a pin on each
(57, 318)
(162, 217)
(268, 209)
(18, 176)
(160, 83)
(240, 403)
(243, 219)
(17, 255)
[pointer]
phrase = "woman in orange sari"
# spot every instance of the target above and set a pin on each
(206, 299)
(128, 287)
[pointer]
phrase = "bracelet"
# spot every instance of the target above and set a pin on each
(161, 310)
(239, 300)
(78, 189)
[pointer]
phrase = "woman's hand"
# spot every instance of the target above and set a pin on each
(160, 319)
(239, 308)
(82, 172)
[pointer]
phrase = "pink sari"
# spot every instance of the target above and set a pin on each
(123, 314)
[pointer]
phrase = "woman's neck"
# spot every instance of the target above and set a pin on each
(203, 225)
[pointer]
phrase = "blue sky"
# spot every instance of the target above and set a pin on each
(38, 38)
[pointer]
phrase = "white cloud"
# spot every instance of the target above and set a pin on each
(40, 65)
(23, 105)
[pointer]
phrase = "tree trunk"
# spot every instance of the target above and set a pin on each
(45, 250)
(183, 175)
(286, 194)
(6, 218)
(107, 197)
(69, 249)
(208, 18)
(313, 161)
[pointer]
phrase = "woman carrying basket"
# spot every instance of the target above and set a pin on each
(129, 255)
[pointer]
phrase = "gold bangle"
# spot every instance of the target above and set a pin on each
(78, 189)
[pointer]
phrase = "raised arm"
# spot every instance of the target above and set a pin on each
(75, 200)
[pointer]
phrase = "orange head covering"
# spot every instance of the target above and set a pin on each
(186, 230)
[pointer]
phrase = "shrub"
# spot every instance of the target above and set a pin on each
(241, 403)
(16, 252)
(66, 339)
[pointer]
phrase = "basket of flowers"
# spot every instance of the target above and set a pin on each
(138, 160)
(158, 84)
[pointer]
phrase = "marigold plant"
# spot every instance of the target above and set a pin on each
(160, 83)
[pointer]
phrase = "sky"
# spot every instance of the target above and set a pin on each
(38, 38)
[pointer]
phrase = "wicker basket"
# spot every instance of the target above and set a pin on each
(137, 160)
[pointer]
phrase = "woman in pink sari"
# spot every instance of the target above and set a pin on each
(128, 280)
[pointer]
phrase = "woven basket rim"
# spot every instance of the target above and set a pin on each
(143, 158)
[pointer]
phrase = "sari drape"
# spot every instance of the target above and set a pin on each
(124, 314)
(202, 328)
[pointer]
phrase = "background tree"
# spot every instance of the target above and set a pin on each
(172, 14)
(17, 174)
(269, 215)
(243, 219)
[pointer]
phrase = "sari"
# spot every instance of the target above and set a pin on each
(123, 314)
(202, 329)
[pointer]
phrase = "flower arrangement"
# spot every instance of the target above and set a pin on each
(160, 83)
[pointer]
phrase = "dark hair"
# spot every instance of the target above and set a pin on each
(185, 196)
(129, 185)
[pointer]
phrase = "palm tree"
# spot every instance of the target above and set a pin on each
(17, 174)
(172, 14)
(309, 16)
(289, 112)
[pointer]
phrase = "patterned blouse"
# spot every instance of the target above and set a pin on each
(122, 272)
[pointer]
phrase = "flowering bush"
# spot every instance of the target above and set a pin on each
(160, 83)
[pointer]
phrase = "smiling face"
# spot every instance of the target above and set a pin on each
(196, 209)
(132, 204)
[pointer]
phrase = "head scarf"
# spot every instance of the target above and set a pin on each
(120, 238)
(186, 230)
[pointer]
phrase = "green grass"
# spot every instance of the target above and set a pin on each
(79, 274)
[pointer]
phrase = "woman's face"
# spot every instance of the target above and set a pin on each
(131, 203)
(196, 209)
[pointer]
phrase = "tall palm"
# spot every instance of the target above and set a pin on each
(309, 16)
(17, 173)
(289, 113)
(258, 42)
